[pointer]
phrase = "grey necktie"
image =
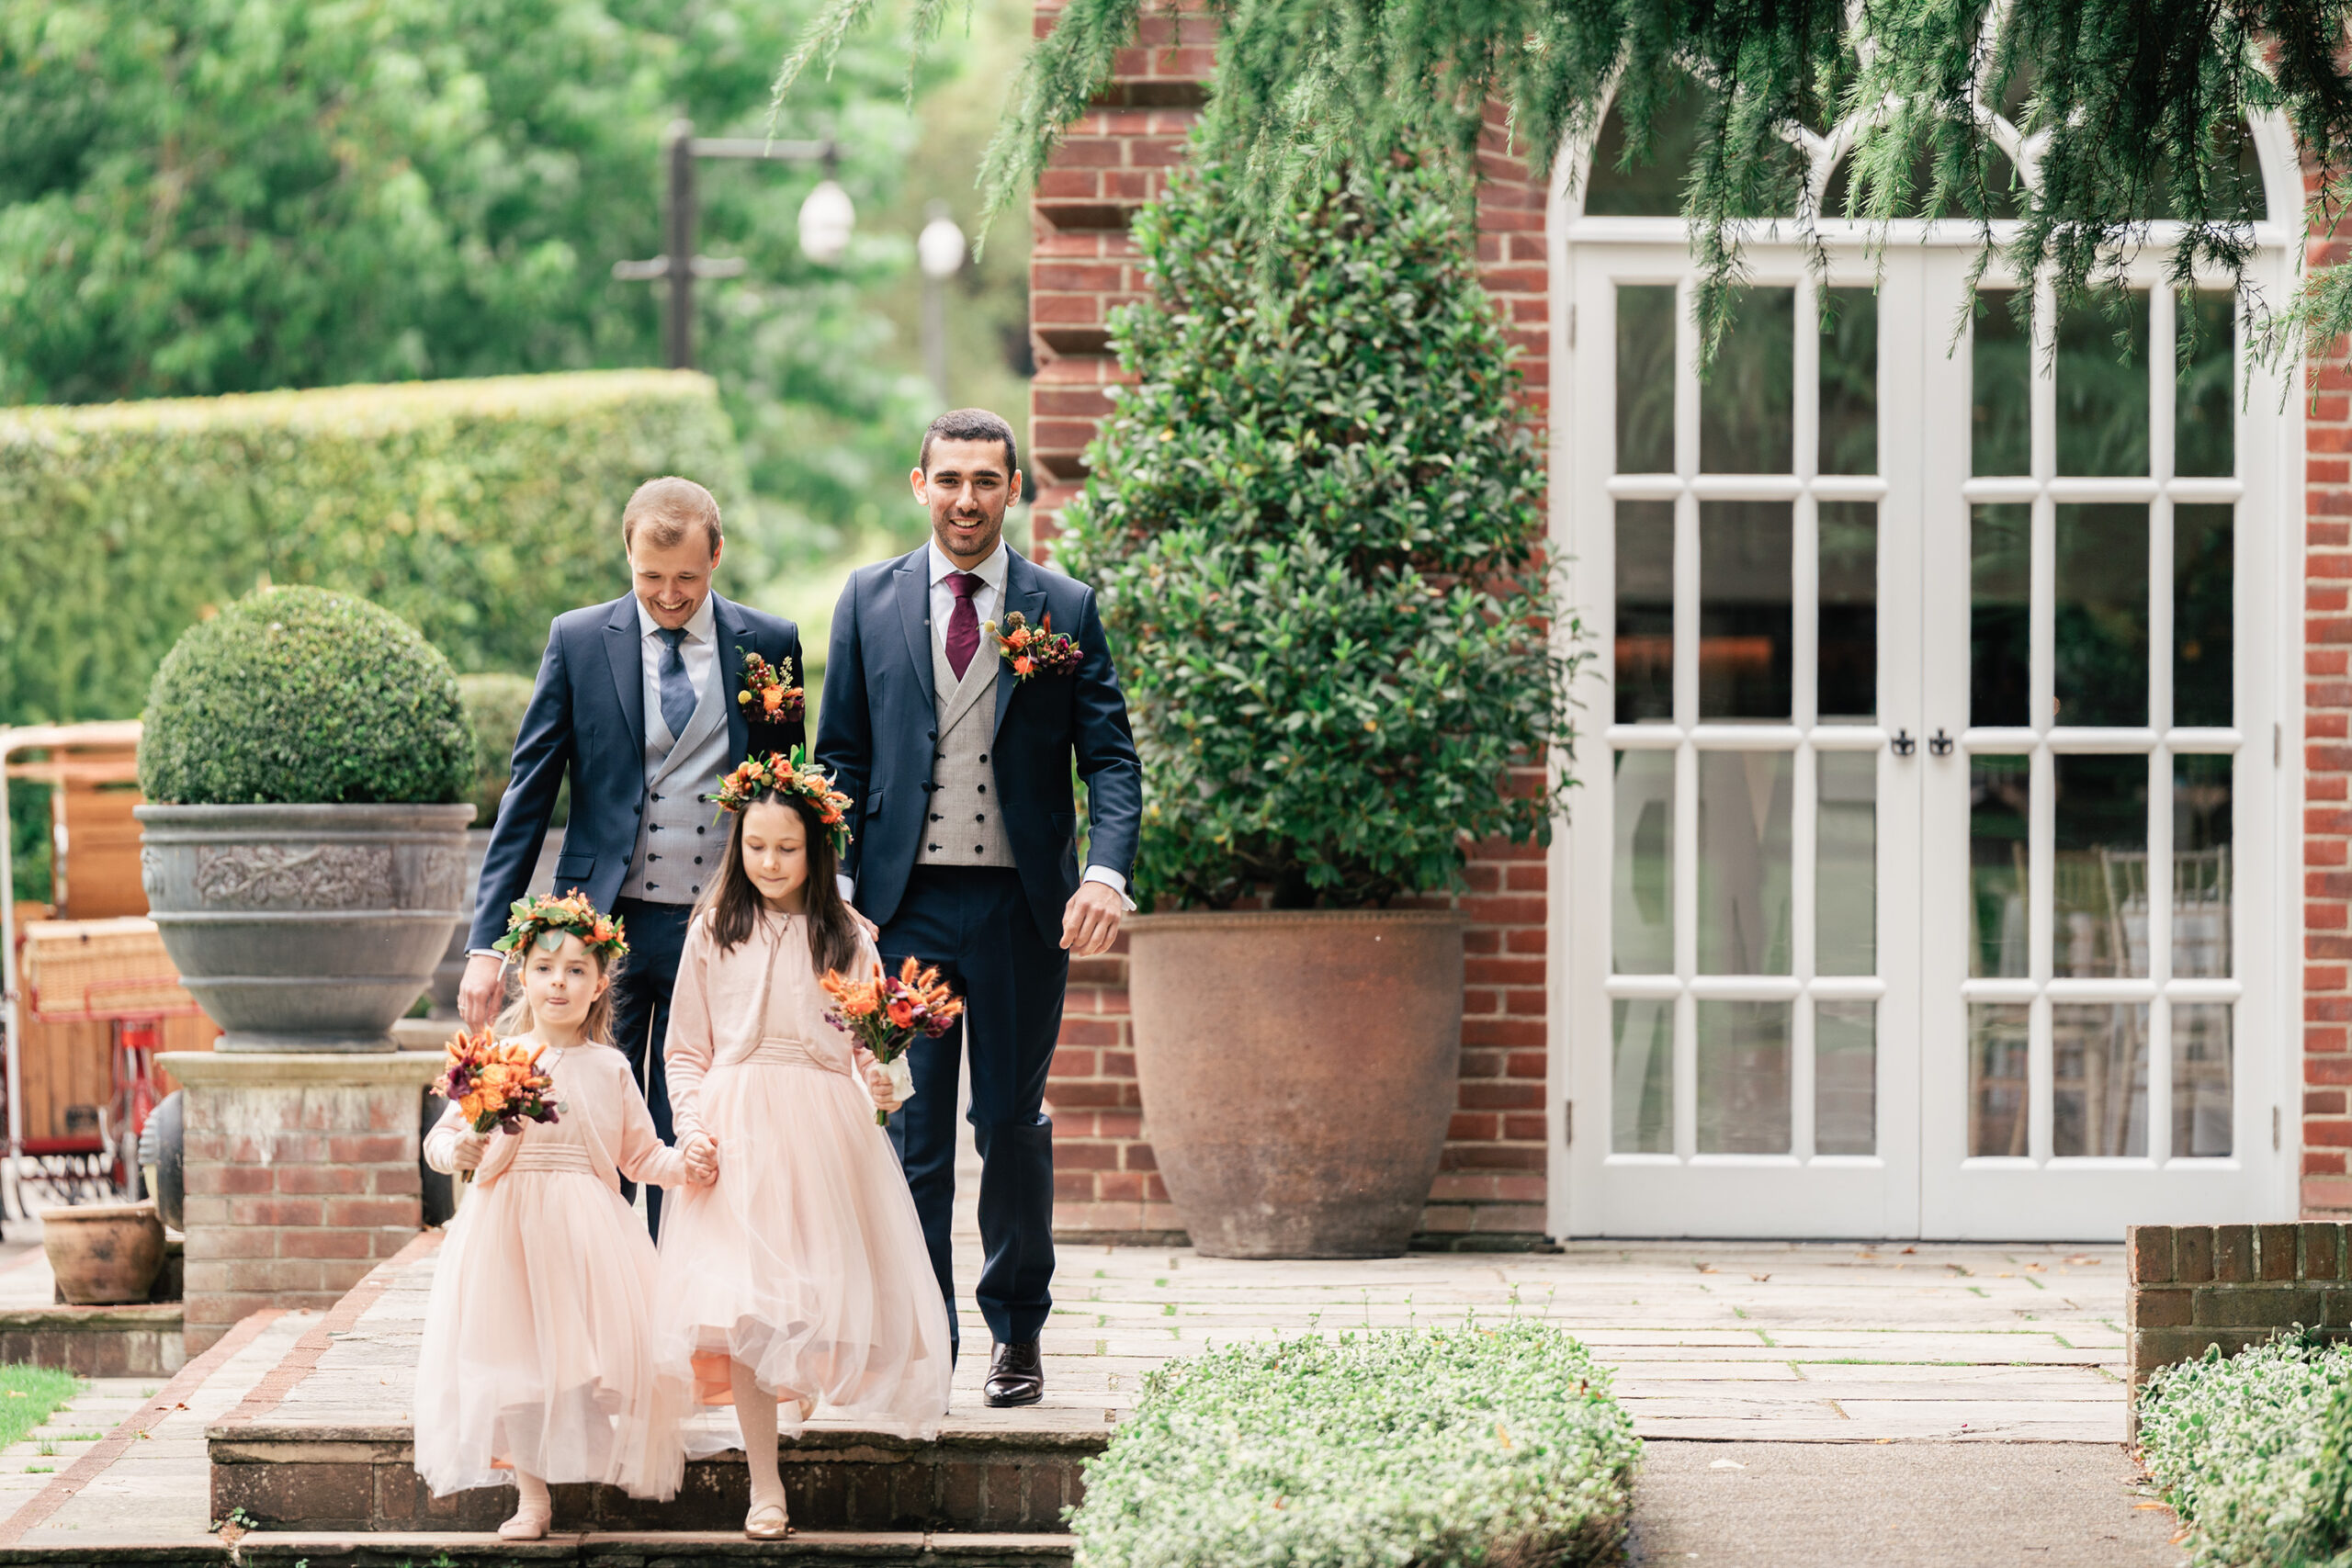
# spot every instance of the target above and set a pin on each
(677, 692)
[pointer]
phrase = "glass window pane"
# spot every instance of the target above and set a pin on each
(2000, 418)
(2204, 587)
(1743, 1081)
(2100, 897)
(1998, 182)
(2000, 551)
(1744, 904)
(2200, 867)
(2102, 670)
(1846, 879)
(1849, 626)
(1640, 1082)
(1653, 186)
(2103, 386)
(1645, 646)
(1747, 402)
(1642, 880)
(1849, 383)
(1645, 379)
(1747, 619)
(2099, 1078)
(2200, 1081)
(1845, 1077)
(2000, 792)
(2204, 404)
(1997, 1048)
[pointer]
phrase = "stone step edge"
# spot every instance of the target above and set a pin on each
(249, 1442)
(972, 1548)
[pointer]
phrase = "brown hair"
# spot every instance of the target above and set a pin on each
(735, 906)
(667, 509)
(971, 424)
(596, 1028)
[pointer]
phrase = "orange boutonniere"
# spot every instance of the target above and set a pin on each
(768, 695)
(1033, 650)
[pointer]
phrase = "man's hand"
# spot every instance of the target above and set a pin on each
(1091, 922)
(873, 931)
(482, 989)
(702, 1158)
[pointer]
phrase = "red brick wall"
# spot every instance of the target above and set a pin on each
(1491, 1190)
(2328, 764)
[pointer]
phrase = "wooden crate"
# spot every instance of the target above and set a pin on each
(72, 970)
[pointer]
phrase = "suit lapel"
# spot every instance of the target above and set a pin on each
(1022, 591)
(624, 651)
(913, 590)
(732, 634)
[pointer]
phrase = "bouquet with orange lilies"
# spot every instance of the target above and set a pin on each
(494, 1084)
(1035, 650)
(885, 1012)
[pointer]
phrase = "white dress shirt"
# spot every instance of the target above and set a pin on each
(696, 647)
(986, 600)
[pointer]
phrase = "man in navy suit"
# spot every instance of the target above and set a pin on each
(636, 700)
(965, 850)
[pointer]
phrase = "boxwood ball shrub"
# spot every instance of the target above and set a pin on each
(1466, 1446)
(2254, 1451)
(301, 696)
(1315, 527)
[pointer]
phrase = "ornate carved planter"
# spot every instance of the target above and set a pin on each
(304, 927)
(103, 1254)
(1297, 1072)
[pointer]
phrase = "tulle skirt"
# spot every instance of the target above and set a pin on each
(805, 1260)
(538, 1346)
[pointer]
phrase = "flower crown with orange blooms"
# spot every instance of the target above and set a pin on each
(546, 921)
(777, 774)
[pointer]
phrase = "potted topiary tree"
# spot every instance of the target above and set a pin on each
(307, 765)
(1316, 526)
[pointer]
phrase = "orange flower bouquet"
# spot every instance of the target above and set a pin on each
(884, 1013)
(494, 1084)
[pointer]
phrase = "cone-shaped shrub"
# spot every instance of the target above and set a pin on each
(1315, 527)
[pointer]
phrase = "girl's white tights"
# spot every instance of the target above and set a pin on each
(755, 1413)
(535, 1511)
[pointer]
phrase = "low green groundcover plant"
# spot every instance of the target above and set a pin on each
(297, 695)
(29, 1396)
(1476, 1446)
(2254, 1451)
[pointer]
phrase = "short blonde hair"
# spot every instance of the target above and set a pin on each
(666, 509)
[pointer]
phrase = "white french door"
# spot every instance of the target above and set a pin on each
(1925, 877)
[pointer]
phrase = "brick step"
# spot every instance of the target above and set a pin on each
(973, 1477)
(275, 1549)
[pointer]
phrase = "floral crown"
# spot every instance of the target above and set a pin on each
(546, 921)
(777, 774)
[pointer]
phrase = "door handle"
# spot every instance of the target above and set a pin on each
(1903, 743)
(1939, 744)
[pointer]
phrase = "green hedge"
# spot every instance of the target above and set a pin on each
(1470, 1446)
(2254, 1451)
(475, 509)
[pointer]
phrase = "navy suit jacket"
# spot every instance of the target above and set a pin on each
(880, 716)
(587, 718)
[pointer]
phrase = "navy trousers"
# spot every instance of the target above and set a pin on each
(657, 936)
(974, 923)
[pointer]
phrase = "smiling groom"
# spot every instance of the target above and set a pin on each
(965, 848)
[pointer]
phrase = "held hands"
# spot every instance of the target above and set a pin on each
(1090, 920)
(482, 989)
(701, 1152)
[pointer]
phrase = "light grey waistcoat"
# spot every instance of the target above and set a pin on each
(963, 824)
(677, 847)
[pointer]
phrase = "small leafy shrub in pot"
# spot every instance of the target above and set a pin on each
(2254, 1451)
(1471, 1445)
(301, 696)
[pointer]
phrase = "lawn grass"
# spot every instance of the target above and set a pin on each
(29, 1396)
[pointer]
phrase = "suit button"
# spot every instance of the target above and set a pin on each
(979, 849)
(697, 860)
(982, 818)
(984, 756)
(984, 789)
(935, 815)
(640, 808)
(702, 830)
(935, 849)
(651, 887)
(653, 827)
(651, 859)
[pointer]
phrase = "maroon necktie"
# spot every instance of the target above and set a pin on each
(963, 623)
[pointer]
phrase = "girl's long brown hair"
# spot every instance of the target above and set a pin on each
(735, 906)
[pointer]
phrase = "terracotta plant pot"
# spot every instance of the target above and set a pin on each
(1297, 1072)
(103, 1254)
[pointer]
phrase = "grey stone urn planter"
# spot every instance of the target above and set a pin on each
(451, 973)
(304, 927)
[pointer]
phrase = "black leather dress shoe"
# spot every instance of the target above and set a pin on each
(1017, 1376)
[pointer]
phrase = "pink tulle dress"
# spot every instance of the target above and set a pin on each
(538, 1352)
(805, 1261)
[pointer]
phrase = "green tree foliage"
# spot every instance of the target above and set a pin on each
(203, 198)
(297, 695)
(1315, 529)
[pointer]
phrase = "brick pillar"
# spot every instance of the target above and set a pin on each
(302, 1176)
(2327, 763)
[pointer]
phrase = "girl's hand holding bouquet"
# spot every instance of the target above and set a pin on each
(885, 1012)
(496, 1085)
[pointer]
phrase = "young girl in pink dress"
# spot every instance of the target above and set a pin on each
(800, 1278)
(537, 1356)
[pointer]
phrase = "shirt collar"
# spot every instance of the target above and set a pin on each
(699, 628)
(991, 571)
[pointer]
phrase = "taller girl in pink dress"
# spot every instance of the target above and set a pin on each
(800, 1278)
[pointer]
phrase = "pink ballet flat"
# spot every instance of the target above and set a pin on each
(768, 1521)
(529, 1524)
